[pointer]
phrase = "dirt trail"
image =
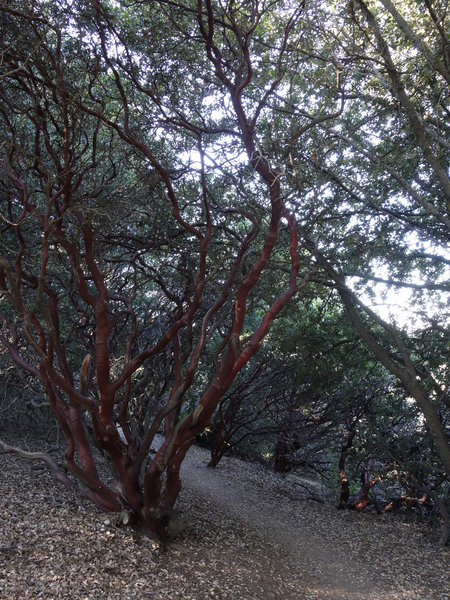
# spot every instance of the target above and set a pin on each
(352, 563)
(300, 546)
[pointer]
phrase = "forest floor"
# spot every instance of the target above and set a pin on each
(247, 534)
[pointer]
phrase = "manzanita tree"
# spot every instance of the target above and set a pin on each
(138, 220)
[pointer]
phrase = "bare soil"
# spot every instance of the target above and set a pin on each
(247, 534)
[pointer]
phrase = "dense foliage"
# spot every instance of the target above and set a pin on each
(186, 183)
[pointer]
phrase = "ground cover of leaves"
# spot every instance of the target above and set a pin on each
(247, 534)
